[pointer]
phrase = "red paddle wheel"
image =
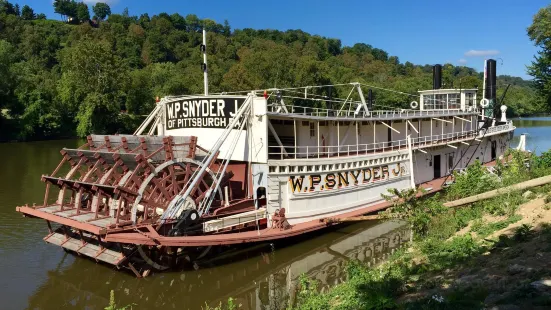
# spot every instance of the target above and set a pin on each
(121, 183)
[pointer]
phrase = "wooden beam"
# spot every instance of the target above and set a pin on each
(452, 146)
(463, 119)
(422, 151)
(277, 137)
(389, 127)
(417, 131)
(442, 120)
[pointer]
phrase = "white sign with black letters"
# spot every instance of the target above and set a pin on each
(202, 112)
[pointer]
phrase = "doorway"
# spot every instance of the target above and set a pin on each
(437, 170)
(494, 149)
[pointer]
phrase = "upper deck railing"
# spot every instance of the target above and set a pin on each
(304, 152)
(376, 114)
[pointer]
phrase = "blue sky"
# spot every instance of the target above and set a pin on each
(420, 31)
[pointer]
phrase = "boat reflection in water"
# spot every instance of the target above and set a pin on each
(267, 279)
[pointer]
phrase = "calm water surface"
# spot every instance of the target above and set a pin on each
(538, 133)
(36, 275)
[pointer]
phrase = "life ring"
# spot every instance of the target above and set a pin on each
(414, 104)
(484, 103)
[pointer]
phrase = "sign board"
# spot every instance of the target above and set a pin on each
(202, 112)
(346, 179)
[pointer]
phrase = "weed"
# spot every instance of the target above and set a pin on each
(483, 230)
(417, 212)
(230, 305)
(523, 233)
(474, 181)
(112, 304)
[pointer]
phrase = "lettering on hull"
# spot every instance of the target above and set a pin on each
(202, 112)
(346, 179)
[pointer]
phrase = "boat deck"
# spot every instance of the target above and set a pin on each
(151, 237)
(83, 217)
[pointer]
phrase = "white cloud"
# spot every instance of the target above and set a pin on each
(474, 53)
(462, 61)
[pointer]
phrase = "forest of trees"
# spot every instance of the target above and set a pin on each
(102, 73)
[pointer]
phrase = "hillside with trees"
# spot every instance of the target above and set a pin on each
(100, 71)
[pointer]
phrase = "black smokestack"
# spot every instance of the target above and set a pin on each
(370, 99)
(437, 77)
(491, 79)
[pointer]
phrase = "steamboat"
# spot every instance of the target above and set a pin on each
(206, 172)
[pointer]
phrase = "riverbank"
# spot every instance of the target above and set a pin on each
(492, 253)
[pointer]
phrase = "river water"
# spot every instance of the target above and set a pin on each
(36, 275)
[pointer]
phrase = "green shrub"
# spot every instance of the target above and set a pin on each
(448, 253)
(474, 181)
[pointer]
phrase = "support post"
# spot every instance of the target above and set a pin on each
(205, 68)
(318, 137)
(295, 132)
(410, 151)
(357, 139)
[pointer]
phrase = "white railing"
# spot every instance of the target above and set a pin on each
(321, 151)
(321, 112)
(505, 127)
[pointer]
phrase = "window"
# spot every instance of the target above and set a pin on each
(440, 101)
(469, 99)
(453, 101)
(428, 102)
(450, 162)
(312, 130)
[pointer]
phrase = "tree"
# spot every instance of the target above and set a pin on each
(66, 8)
(41, 16)
(91, 85)
(101, 10)
(7, 86)
(27, 13)
(7, 8)
(540, 33)
(83, 14)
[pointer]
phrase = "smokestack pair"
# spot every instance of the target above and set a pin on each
(490, 78)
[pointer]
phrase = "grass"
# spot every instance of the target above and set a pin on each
(484, 229)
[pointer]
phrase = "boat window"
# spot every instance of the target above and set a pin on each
(428, 102)
(282, 169)
(453, 101)
(312, 130)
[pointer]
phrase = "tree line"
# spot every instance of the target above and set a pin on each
(101, 74)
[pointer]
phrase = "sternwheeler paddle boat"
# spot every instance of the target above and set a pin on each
(207, 171)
